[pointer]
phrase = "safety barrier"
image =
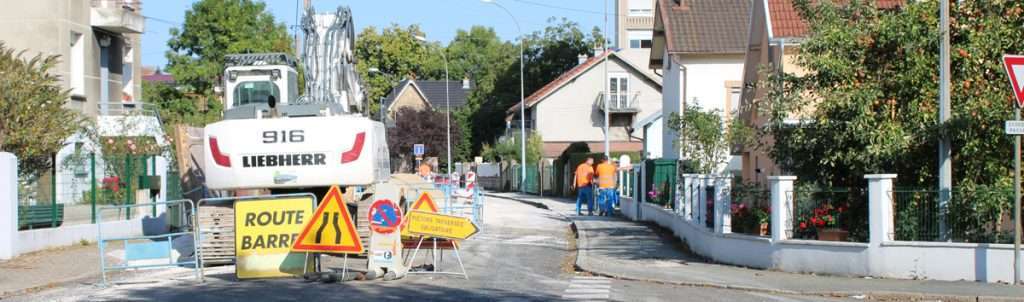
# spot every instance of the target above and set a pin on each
(215, 228)
(146, 251)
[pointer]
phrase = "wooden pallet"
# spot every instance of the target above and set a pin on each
(217, 234)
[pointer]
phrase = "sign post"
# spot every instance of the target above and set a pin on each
(1015, 70)
(418, 150)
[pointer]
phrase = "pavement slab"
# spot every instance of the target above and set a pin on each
(615, 247)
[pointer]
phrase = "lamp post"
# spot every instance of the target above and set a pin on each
(522, 96)
(380, 104)
(447, 105)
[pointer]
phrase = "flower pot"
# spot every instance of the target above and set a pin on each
(832, 234)
(763, 230)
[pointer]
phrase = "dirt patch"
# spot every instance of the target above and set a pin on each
(569, 263)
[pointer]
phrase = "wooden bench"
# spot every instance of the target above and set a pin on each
(40, 216)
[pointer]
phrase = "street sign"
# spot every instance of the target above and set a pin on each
(331, 229)
(1015, 70)
(1015, 127)
(425, 203)
(418, 150)
(264, 231)
(440, 225)
(385, 217)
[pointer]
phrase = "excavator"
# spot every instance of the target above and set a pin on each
(272, 139)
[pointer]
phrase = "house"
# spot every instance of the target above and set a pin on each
(423, 94)
(776, 31)
(99, 47)
(699, 46)
(570, 109)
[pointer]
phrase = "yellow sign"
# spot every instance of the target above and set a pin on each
(330, 230)
(264, 232)
(441, 226)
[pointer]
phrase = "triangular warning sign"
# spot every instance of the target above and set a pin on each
(1015, 69)
(331, 229)
(425, 203)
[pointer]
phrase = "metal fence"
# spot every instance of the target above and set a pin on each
(980, 216)
(751, 211)
(70, 192)
(837, 214)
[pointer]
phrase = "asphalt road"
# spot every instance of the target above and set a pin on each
(522, 254)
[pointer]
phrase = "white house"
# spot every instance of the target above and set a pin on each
(699, 46)
(570, 109)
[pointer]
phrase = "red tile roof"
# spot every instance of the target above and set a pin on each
(787, 23)
(559, 81)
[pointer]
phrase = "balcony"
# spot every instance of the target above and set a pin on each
(119, 16)
(619, 102)
(130, 119)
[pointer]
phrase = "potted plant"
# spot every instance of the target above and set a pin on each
(825, 221)
(763, 216)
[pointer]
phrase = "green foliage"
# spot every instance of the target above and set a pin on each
(398, 55)
(706, 138)
(213, 29)
(548, 54)
(177, 108)
(872, 86)
(422, 127)
(33, 120)
(510, 148)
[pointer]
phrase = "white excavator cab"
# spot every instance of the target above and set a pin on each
(253, 79)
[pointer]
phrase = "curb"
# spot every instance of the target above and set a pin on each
(889, 295)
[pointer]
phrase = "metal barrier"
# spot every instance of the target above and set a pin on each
(169, 238)
(222, 250)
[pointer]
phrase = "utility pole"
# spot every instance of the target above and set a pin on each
(604, 48)
(945, 154)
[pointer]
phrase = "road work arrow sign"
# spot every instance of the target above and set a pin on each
(440, 226)
(1015, 69)
(331, 229)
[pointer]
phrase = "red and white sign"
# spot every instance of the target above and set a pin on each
(1015, 69)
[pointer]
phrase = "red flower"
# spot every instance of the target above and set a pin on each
(819, 222)
(803, 225)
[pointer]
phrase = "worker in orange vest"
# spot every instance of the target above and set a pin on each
(584, 180)
(606, 173)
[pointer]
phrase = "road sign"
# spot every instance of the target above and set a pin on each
(331, 229)
(425, 203)
(440, 226)
(385, 217)
(418, 150)
(1015, 69)
(264, 231)
(1015, 127)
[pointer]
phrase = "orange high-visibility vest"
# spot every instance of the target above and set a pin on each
(606, 175)
(584, 175)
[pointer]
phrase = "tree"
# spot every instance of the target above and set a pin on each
(33, 120)
(213, 29)
(872, 81)
(398, 55)
(420, 127)
(177, 108)
(706, 138)
(549, 54)
(510, 148)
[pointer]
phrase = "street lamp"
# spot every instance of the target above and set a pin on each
(522, 97)
(448, 106)
(380, 104)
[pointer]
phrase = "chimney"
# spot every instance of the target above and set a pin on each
(582, 57)
(465, 83)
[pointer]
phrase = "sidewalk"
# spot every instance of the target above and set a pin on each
(624, 249)
(49, 268)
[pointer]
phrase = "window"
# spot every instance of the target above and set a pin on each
(127, 77)
(734, 100)
(77, 72)
(255, 92)
(618, 90)
(639, 38)
(641, 8)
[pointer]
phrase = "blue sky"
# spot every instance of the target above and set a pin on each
(438, 18)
